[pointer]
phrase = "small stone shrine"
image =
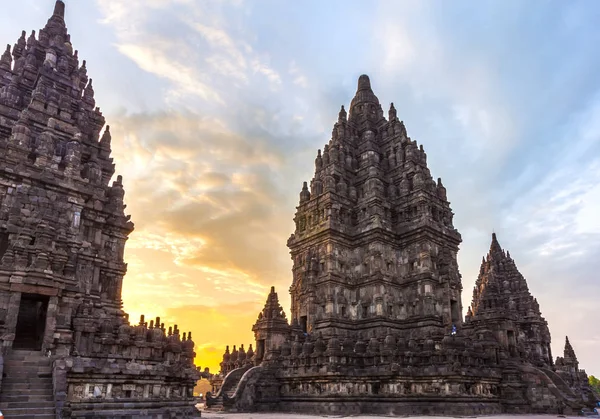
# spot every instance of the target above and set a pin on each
(376, 312)
(68, 349)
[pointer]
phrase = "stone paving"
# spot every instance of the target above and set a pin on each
(227, 415)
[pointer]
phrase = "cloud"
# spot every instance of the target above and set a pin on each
(203, 56)
(206, 195)
(157, 61)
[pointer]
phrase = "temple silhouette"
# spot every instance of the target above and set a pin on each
(68, 349)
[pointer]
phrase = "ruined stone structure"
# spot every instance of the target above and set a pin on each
(68, 349)
(376, 313)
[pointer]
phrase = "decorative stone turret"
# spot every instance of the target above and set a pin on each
(568, 362)
(271, 329)
(502, 302)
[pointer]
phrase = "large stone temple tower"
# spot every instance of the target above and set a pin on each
(376, 324)
(374, 246)
(68, 348)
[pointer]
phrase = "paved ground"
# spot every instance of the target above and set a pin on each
(225, 415)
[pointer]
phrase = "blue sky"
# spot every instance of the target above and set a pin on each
(217, 109)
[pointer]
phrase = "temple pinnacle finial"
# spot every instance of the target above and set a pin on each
(495, 248)
(364, 82)
(59, 9)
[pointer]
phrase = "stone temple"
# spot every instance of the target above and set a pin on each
(376, 312)
(68, 349)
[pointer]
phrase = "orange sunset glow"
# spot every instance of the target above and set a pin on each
(208, 242)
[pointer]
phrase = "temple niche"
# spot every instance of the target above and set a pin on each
(68, 348)
(376, 322)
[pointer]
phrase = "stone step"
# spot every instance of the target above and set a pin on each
(28, 374)
(26, 379)
(41, 396)
(26, 355)
(11, 388)
(26, 404)
(30, 366)
(43, 362)
(215, 408)
(28, 416)
(20, 392)
(11, 364)
(20, 363)
(28, 412)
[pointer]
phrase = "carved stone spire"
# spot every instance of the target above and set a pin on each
(365, 104)
(6, 59)
(106, 138)
(501, 299)
(569, 357)
(499, 278)
(272, 309)
(59, 9)
(271, 328)
(392, 114)
(342, 115)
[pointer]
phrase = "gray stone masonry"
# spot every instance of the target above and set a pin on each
(63, 230)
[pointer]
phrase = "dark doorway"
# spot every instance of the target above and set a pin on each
(3, 243)
(511, 342)
(31, 322)
(304, 323)
(260, 349)
(454, 312)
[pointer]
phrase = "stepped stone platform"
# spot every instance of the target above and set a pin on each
(27, 386)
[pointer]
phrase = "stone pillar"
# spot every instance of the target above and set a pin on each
(12, 315)
(50, 324)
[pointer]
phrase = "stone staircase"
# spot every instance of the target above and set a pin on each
(219, 402)
(27, 386)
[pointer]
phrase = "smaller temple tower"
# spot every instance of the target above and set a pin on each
(567, 367)
(271, 329)
(503, 305)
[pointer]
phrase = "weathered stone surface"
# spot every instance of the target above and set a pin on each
(63, 229)
(376, 306)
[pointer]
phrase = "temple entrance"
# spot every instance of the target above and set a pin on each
(304, 323)
(31, 322)
(260, 349)
(454, 312)
(3, 243)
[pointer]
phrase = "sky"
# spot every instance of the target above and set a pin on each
(217, 108)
